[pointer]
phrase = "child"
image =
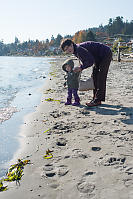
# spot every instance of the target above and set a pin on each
(72, 82)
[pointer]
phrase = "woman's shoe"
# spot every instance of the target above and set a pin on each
(93, 103)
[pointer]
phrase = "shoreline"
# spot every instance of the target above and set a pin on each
(13, 124)
(91, 148)
(21, 136)
(23, 129)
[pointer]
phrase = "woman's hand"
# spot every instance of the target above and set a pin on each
(77, 69)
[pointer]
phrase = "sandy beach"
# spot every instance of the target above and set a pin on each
(92, 148)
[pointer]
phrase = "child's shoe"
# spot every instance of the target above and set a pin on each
(76, 104)
(69, 102)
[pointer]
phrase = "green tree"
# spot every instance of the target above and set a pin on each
(16, 41)
(109, 27)
(115, 26)
(52, 42)
(58, 40)
(90, 36)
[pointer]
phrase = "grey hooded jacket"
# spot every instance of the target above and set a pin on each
(72, 77)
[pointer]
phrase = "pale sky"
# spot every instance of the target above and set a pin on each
(40, 19)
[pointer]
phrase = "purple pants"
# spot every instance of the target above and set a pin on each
(73, 91)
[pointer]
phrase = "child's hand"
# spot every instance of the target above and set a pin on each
(65, 84)
(77, 69)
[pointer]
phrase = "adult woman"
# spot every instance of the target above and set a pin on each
(90, 53)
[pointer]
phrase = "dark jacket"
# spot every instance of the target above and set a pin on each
(91, 53)
(73, 80)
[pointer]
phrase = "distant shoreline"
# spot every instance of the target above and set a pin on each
(123, 59)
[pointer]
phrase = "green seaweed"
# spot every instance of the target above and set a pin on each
(51, 100)
(2, 188)
(15, 173)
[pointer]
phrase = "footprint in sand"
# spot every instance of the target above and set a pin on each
(61, 142)
(55, 114)
(77, 153)
(61, 127)
(85, 186)
(62, 170)
(128, 182)
(51, 171)
(85, 112)
(110, 161)
(50, 174)
(129, 171)
(96, 148)
(54, 185)
(48, 167)
(66, 113)
(89, 173)
(103, 133)
(95, 139)
(48, 171)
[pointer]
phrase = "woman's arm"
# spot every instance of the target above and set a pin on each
(85, 57)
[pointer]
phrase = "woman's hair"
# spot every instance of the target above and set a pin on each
(65, 42)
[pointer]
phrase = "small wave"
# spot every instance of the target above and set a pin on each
(7, 94)
(35, 69)
(6, 113)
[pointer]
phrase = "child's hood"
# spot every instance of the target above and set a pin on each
(68, 62)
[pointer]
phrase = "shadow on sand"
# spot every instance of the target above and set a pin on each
(106, 109)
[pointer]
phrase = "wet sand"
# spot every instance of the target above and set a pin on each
(92, 148)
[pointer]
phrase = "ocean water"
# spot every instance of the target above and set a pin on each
(20, 81)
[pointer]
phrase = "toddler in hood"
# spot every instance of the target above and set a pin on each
(72, 82)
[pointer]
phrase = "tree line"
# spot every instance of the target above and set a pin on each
(47, 47)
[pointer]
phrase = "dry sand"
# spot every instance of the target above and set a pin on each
(92, 147)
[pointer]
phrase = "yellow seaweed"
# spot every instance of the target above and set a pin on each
(2, 188)
(47, 130)
(48, 154)
(15, 173)
(51, 100)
